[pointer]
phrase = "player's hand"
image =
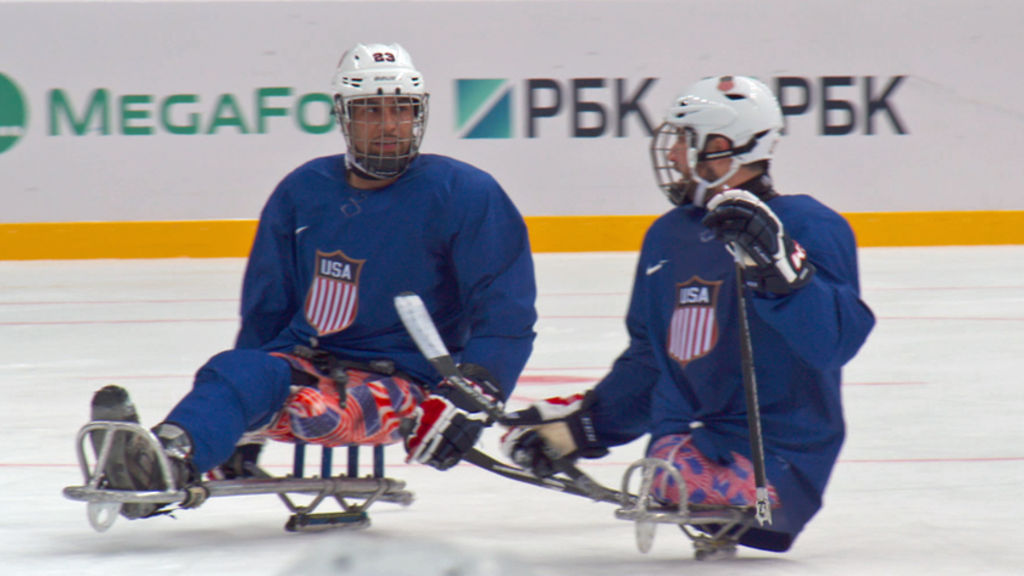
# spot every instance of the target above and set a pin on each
(772, 261)
(482, 382)
(556, 432)
(439, 434)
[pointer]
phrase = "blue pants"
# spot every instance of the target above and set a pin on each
(234, 392)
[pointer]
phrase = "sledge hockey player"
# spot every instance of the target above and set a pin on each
(680, 379)
(321, 356)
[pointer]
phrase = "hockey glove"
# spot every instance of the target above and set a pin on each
(439, 434)
(565, 432)
(772, 262)
(485, 386)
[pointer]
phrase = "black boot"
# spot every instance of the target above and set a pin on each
(243, 463)
(112, 403)
(133, 463)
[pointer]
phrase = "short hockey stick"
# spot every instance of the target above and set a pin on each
(421, 328)
(580, 485)
(764, 509)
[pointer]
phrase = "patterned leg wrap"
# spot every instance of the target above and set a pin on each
(707, 483)
(370, 411)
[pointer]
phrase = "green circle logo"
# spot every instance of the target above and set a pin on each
(13, 113)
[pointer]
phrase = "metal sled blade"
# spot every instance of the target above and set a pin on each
(644, 532)
(102, 514)
(328, 521)
(714, 530)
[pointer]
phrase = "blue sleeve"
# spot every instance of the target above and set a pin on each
(268, 290)
(825, 322)
(494, 272)
(622, 404)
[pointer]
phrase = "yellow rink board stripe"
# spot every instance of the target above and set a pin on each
(233, 238)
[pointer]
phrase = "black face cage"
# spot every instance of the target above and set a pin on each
(387, 152)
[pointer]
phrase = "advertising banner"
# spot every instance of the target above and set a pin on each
(154, 111)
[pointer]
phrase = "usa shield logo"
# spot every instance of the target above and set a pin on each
(693, 330)
(333, 299)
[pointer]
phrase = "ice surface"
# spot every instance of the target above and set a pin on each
(930, 481)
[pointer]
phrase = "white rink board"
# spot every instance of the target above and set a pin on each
(958, 102)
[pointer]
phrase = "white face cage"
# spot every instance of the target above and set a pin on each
(383, 133)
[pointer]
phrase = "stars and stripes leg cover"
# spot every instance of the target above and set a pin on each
(373, 408)
(707, 482)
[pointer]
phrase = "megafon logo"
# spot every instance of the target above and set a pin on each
(573, 107)
(13, 113)
(483, 108)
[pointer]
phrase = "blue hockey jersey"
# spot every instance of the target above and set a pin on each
(328, 260)
(682, 370)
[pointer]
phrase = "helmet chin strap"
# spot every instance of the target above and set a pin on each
(699, 195)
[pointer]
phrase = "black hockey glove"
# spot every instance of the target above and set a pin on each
(483, 383)
(441, 432)
(772, 262)
(563, 432)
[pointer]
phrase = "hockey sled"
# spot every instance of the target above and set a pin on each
(714, 530)
(353, 494)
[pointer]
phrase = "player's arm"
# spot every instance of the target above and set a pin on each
(804, 280)
(826, 322)
(269, 287)
(616, 411)
(494, 271)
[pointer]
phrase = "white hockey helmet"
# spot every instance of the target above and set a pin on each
(375, 74)
(739, 108)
